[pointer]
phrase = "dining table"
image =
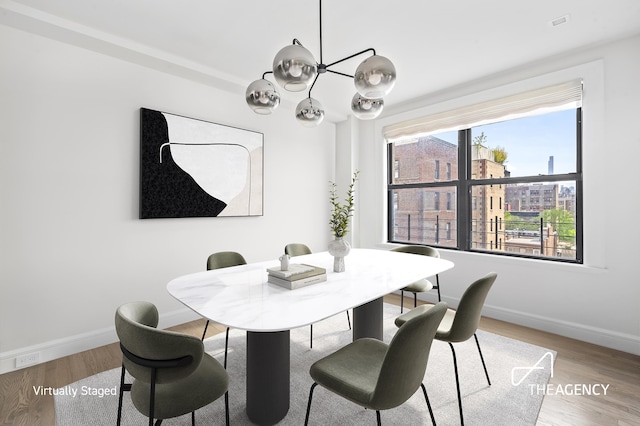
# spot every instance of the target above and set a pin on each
(241, 297)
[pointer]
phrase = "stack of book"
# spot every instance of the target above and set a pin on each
(297, 276)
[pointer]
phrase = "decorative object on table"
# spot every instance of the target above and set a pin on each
(340, 216)
(298, 276)
(284, 262)
(194, 168)
(295, 69)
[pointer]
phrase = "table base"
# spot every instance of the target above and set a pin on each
(268, 376)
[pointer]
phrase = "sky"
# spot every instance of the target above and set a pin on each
(530, 141)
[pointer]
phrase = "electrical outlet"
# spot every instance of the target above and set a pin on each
(28, 359)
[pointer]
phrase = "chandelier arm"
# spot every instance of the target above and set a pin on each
(265, 73)
(313, 84)
(340, 73)
(371, 49)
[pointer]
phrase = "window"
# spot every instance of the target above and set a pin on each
(513, 183)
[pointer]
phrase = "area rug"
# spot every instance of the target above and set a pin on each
(516, 370)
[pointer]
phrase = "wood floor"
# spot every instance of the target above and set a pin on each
(576, 363)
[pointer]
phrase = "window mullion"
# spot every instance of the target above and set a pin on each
(463, 212)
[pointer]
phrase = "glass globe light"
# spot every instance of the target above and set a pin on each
(294, 68)
(262, 97)
(375, 77)
(309, 112)
(365, 108)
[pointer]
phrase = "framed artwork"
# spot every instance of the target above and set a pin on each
(194, 168)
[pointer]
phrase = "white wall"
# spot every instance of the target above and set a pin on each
(599, 301)
(71, 245)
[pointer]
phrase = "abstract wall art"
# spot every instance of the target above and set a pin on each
(194, 168)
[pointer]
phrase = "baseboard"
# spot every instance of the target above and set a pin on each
(59, 348)
(598, 336)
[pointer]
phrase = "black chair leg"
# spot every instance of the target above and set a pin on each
(226, 407)
(455, 368)
(311, 336)
(226, 347)
(438, 287)
(401, 300)
(348, 319)
(193, 418)
(123, 387)
(486, 373)
(424, 391)
(415, 300)
(306, 419)
(378, 417)
(205, 329)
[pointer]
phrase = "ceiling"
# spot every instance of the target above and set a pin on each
(434, 44)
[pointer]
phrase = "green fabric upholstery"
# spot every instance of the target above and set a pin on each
(225, 259)
(421, 250)
(378, 376)
(178, 390)
(423, 284)
(460, 324)
(296, 249)
(419, 286)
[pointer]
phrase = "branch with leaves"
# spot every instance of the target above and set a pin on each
(341, 213)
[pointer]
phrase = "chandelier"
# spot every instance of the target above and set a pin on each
(295, 70)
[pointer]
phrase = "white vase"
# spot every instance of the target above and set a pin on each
(339, 248)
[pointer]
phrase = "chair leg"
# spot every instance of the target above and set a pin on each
(123, 387)
(401, 300)
(205, 329)
(415, 300)
(311, 336)
(226, 407)
(152, 398)
(193, 418)
(226, 347)
(424, 391)
(455, 368)
(348, 319)
(486, 373)
(378, 417)
(306, 419)
(438, 287)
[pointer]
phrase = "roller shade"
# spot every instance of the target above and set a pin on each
(558, 97)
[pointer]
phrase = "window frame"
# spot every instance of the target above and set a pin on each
(464, 198)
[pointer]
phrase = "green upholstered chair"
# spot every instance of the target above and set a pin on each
(381, 376)
(172, 374)
(223, 259)
(423, 284)
(299, 249)
(460, 324)
(296, 249)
